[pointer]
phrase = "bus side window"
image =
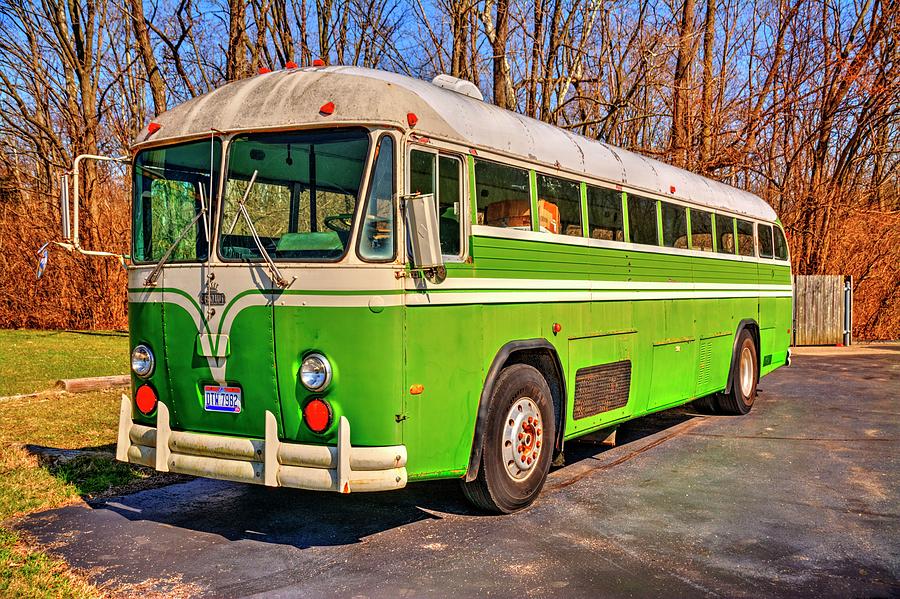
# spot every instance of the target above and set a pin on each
(745, 238)
(421, 172)
(503, 197)
(565, 196)
(642, 223)
(450, 205)
(781, 251)
(765, 240)
(605, 214)
(701, 230)
(725, 233)
(674, 223)
(376, 242)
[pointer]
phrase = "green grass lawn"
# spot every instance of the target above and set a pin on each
(33, 361)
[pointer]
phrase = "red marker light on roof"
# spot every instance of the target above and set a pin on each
(412, 119)
(318, 62)
(671, 189)
(153, 128)
(327, 108)
(290, 65)
(264, 70)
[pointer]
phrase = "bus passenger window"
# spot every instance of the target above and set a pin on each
(376, 242)
(781, 251)
(701, 230)
(502, 196)
(605, 214)
(674, 223)
(642, 224)
(450, 205)
(421, 172)
(765, 240)
(745, 238)
(566, 196)
(725, 233)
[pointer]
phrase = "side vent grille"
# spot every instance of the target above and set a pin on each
(601, 388)
(703, 372)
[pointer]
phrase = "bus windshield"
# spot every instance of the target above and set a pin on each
(303, 196)
(171, 187)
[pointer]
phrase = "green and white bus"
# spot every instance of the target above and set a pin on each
(346, 279)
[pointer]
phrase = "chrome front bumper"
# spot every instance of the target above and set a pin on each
(268, 461)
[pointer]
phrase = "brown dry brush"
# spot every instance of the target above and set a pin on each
(795, 100)
(75, 291)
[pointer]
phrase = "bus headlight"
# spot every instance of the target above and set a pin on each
(142, 361)
(315, 372)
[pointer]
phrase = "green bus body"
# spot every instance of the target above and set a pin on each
(680, 349)
(673, 315)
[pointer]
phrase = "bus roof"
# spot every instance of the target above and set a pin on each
(293, 97)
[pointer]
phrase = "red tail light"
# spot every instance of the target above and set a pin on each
(146, 399)
(318, 415)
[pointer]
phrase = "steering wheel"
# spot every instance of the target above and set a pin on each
(339, 223)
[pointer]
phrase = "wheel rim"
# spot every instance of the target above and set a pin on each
(746, 371)
(522, 438)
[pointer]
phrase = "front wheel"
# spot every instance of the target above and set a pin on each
(740, 399)
(518, 443)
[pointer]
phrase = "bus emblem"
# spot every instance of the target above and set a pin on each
(212, 296)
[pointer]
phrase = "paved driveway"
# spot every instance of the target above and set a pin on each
(799, 498)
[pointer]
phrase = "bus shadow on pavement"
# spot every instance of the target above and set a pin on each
(303, 519)
(307, 518)
(591, 446)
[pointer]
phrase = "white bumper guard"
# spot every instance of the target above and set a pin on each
(266, 461)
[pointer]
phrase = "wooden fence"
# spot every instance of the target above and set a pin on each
(819, 310)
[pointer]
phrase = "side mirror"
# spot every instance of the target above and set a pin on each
(64, 207)
(423, 230)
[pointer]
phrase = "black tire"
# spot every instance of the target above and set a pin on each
(708, 404)
(744, 377)
(496, 489)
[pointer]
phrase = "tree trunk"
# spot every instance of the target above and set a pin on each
(145, 48)
(680, 87)
(236, 59)
(497, 32)
(706, 125)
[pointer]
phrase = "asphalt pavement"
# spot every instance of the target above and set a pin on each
(800, 498)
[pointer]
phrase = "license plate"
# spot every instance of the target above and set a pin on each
(222, 399)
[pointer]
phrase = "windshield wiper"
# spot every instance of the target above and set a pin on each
(150, 281)
(276, 275)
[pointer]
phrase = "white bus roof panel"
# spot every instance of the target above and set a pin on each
(291, 98)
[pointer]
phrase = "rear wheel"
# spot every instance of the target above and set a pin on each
(518, 444)
(740, 399)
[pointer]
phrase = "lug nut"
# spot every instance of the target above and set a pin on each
(521, 435)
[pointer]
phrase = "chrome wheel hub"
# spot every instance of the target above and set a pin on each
(522, 438)
(746, 371)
